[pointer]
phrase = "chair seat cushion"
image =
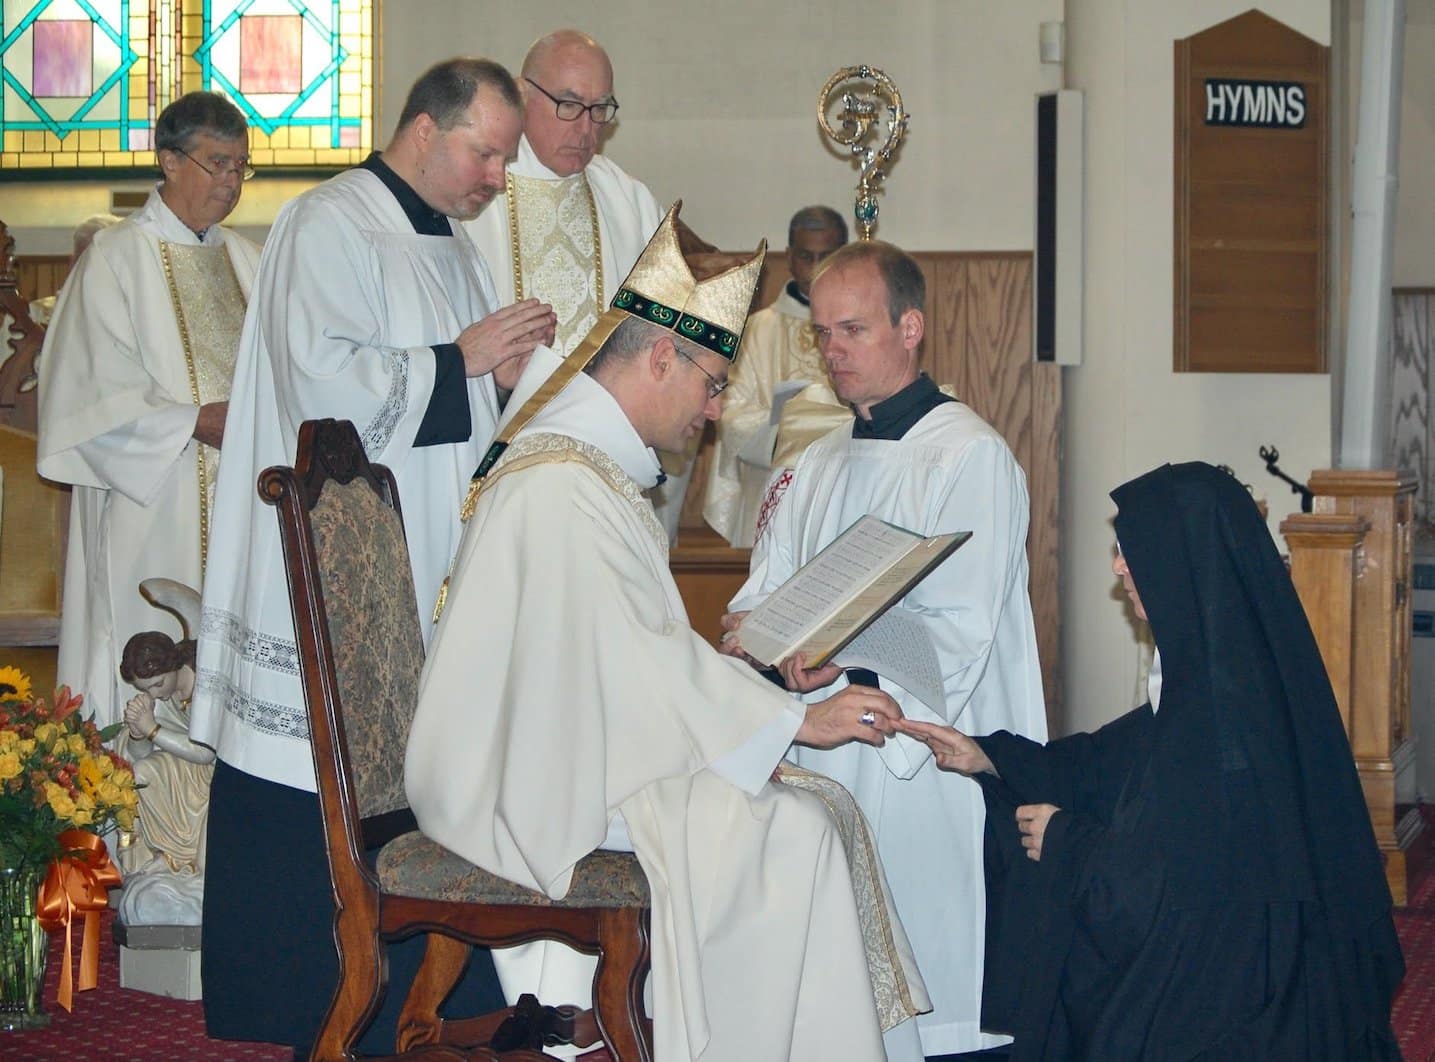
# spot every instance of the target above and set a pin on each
(413, 865)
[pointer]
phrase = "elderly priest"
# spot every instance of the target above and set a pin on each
(567, 705)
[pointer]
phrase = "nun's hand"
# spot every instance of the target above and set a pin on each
(1031, 820)
(952, 749)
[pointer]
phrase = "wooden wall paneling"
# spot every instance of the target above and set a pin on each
(40, 275)
(978, 341)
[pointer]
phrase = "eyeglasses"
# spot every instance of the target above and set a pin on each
(571, 110)
(715, 386)
(223, 166)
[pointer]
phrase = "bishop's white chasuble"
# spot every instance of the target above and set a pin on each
(758, 950)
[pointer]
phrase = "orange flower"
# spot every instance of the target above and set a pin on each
(66, 703)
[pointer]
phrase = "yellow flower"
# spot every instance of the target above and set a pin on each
(26, 746)
(8, 739)
(125, 818)
(59, 800)
(81, 817)
(85, 802)
(130, 798)
(109, 793)
(10, 765)
(45, 733)
(90, 773)
(13, 676)
(123, 777)
(76, 744)
(106, 766)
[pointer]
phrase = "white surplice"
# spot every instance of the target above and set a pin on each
(117, 410)
(596, 702)
(628, 215)
(777, 347)
(950, 472)
(347, 305)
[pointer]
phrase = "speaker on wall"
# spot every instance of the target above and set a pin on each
(1060, 209)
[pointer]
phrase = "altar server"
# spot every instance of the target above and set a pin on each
(920, 459)
(369, 307)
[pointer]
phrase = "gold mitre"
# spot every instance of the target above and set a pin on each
(661, 290)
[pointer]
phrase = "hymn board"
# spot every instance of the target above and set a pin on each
(1252, 199)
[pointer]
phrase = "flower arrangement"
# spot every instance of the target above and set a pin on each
(55, 774)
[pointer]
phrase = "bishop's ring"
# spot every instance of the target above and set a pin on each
(868, 719)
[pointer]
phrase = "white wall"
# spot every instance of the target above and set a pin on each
(1126, 410)
(719, 102)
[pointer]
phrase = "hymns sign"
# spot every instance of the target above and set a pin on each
(1259, 104)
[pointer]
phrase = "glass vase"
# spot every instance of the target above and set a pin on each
(23, 946)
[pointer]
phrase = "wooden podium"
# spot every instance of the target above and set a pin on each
(1351, 565)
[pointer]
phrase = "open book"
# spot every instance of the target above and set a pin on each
(832, 598)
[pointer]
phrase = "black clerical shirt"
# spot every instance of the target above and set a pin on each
(447, 418)
(893, 417)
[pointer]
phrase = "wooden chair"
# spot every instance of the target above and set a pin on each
(360, 657)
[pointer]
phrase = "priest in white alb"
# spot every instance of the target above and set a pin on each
(918, 458)
(370, 306)
(570, 222)
(601, 719)
(134, 380)
(779, 358)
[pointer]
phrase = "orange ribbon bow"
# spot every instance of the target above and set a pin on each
(78, 882)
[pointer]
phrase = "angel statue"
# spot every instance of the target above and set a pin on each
(164, 859)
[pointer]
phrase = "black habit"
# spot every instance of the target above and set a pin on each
(1211, 888)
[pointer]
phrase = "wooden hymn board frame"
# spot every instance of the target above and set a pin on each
(1252, 195)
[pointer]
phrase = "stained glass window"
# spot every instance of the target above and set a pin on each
(82, 81)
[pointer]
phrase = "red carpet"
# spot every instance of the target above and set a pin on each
(113, 1024)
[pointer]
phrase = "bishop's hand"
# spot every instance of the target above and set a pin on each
(857, 713)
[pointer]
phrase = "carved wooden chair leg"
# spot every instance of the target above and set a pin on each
(443, 965)
(618, 987)
(360, 988)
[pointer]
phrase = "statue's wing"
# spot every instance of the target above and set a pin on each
(177, 598)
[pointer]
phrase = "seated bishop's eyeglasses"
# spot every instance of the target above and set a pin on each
(222, 166)
(714, 385)
(601, 112)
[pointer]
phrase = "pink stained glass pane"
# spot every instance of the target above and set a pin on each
(63, 57)
(271, 52)
(349, 136)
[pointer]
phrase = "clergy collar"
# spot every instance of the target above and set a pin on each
(425, 219)
(893, 417)
(527, 164)
(169, 225)
(796, 294)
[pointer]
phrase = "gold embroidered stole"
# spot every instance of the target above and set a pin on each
(546, 448)
(209, 309)
(557, 250)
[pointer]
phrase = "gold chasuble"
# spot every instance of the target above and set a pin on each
(556, 250)
(209, 310)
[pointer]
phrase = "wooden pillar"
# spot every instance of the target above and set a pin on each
(1325, 560)
(1379, 719)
